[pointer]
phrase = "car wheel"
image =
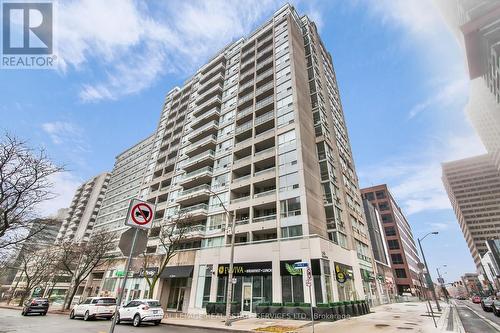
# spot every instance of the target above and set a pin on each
(86, 317)
(23, 313)
(157, 322)
(137, 321)
(117, 318)
(44, 313)
(72, 314)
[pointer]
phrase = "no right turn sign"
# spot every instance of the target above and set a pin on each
(140, 214)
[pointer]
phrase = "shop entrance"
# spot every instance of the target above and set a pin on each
(176, 295)
(246, 304)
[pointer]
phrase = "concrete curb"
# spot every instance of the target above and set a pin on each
(494, 325)
(209, 328)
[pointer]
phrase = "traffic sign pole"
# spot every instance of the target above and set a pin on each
(120, 297)
(309, 283)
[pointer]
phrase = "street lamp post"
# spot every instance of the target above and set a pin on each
(427, 267)
(229, 295)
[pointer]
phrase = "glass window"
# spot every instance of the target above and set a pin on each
(390, 231)
(397, 258)
(292, 289)
(387, 218)
(292, 231)
(380, 194)
(369, 196)
(400, 273)
(383, 206)
(393, 244)
(290, 207)
(289, 182)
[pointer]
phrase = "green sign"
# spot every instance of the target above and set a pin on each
(292, 270)
(120, 273)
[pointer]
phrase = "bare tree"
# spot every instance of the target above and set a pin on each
(37, 266)
(24, 183)
(171, 235)
(78, 260)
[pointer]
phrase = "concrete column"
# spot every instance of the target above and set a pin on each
(276, 280)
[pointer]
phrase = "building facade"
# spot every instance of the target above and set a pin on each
(490, 263)
(400, 240)
(259, 131)
(386, 287)
(131, 166)
(473, 186)
(83, 210)
(477, 27)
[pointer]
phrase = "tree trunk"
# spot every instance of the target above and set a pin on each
(72, 295)
(24, 295)
(152, 287)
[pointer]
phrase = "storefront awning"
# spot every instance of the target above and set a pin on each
(177, 272)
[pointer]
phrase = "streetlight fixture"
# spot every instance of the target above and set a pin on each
(427, 267)
(229, 295)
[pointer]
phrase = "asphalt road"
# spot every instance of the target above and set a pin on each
(474, 323)
(11, 321)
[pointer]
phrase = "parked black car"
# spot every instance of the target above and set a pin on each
(36, 305)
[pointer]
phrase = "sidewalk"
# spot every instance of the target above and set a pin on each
(52, 309)
(385, 318)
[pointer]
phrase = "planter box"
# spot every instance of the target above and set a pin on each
(275, 311)
(262, 311)
(324, 314)
(210, 308)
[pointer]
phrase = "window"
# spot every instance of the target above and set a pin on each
(286, 141)
(380, 194)
(397, 258)
(292, 231)
(387, 218)
(289, 182)
(216, 221)
(393, 244)
(390, 231)
(290, 207)
(292, 288)
(212, 242)
(400, 273)
(369, 196)
(383, 206)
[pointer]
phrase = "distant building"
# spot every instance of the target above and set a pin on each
(490, 263)
(384, 274)
(473, 186)
(472, 283)
(83, 210)
(399, 237)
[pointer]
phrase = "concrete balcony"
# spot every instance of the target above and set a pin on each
(197, 177)
(215, 101)
(195, 194)
(209, 128)
(206, 85)
(201, 160)
(216, 89)
(195, 212)
(212, 114)
(200, 146)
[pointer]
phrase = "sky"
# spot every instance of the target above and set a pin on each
(401, 74)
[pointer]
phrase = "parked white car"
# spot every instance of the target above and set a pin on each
(94, 307)
(141, 310)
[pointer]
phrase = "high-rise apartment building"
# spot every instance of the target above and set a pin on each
(83, 210)
(260, 131)
(473, 186)
(400, 240)
(477, 27)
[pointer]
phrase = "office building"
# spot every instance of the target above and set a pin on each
(385, 285)
(490, 263)
(477, 28)
(83, 210)
(260, 131)
(400, 240)
(473, 186)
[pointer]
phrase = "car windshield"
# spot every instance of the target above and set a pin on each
(106, 301)
(153, 304)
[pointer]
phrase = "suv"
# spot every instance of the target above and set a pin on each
(94, 307)
(476, 299)
(36, 305)
(139, 310)
(487, 303)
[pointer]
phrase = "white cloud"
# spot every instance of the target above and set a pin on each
(60, 132)
(65, 185)
(135, 44)
(415, 179)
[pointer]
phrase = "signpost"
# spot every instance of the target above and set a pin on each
(305, 265)
(140, 219)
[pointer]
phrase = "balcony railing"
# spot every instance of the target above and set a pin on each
(198, 144)
(240, 199)
(265, 193)
(242, 178)
(197, 172)
(200, 156)
(264, 88)
(264, 171)
(202, 128)
(265, 117)
(264, 151)
(264, 218)
(261, 75)
(204, 187)
(266, 101)
(203, 207)
(245, 98)
(243, 128)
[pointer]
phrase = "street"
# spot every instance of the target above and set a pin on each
(11, 321)
(472, 322)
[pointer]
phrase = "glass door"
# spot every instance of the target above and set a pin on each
(246, 305)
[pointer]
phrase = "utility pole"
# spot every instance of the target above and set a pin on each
(443, 288)
(229, 296)
(427, 268)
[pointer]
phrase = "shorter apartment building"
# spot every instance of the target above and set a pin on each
(490, 263)
(473, 186)
(83, 210)
(400, 241)
(385, 284)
